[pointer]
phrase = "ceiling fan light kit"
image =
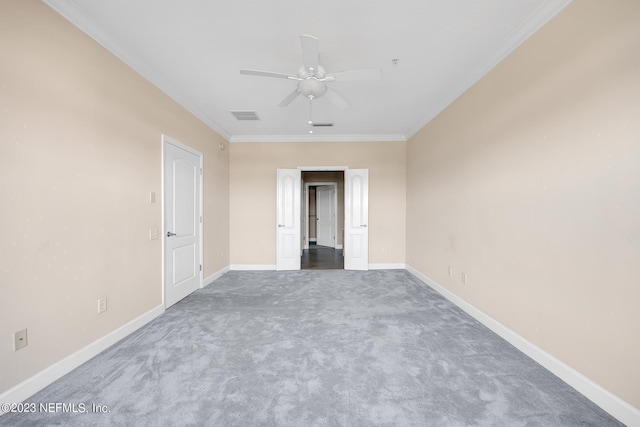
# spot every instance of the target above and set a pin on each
(312, 78)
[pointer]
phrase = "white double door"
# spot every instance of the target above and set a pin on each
(288, 226)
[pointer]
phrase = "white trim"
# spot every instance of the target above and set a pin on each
(615, 406)
(387, 266)
(323, 168)
(215, 276)
(318, 138)
(249, 267)
(312, 239)
(34, 384)
(338, 246)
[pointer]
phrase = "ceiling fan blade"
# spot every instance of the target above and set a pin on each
(268, 74)
(336, 99)
(310, 52)
(366, 74)
(293, 95)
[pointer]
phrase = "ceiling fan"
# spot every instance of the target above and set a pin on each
(312, 78)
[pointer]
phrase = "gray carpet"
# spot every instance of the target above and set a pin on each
(314, 348)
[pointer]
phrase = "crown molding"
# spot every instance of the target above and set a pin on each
(73, 12)
(318, 138)
(543, 14)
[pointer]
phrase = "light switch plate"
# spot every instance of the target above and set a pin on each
(102, 305)
(153, 233)
(20, 340)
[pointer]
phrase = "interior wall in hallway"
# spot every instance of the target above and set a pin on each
(312, 213)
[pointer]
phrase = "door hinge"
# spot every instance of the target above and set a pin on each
(201, 219)
(200, 171)
(200, 267)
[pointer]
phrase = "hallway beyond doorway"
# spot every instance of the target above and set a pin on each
(321, 258)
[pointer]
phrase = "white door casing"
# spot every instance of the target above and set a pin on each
(182, 212)
(356, 224)
(288, 230)
(325, 215)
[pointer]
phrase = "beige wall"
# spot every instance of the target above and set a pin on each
(80, 152)
(253, 193)
(530, 184)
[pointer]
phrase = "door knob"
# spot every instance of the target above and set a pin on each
(363, 225)
(169, 234)
(280, 225)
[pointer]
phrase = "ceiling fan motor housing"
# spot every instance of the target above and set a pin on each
(311, 87)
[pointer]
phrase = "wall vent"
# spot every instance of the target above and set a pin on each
(315, 125)
(245, 115)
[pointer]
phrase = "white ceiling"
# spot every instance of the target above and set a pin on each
(193, 51)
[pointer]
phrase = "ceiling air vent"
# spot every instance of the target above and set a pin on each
(325, 125)
(245, 115)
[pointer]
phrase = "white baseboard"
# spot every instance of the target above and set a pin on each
(387, 266)
(618, 408)
(313, 239)
(252, 267)
(338, 246)
(32, 385)
(210, 279)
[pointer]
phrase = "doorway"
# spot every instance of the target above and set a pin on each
(351, 233)
(323, 219)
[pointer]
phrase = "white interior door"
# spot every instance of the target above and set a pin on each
(182, 221)
(325, 213)
(356, 223)
(288, 228)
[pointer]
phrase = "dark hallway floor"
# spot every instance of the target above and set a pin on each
(322, 258)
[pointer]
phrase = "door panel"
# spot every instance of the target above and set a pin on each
(181, 199)
(356, 191)
(288, 233)
(184, 261)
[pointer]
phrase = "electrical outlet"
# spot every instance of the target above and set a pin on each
(20, 340)
(464, 278)
(102, 305)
